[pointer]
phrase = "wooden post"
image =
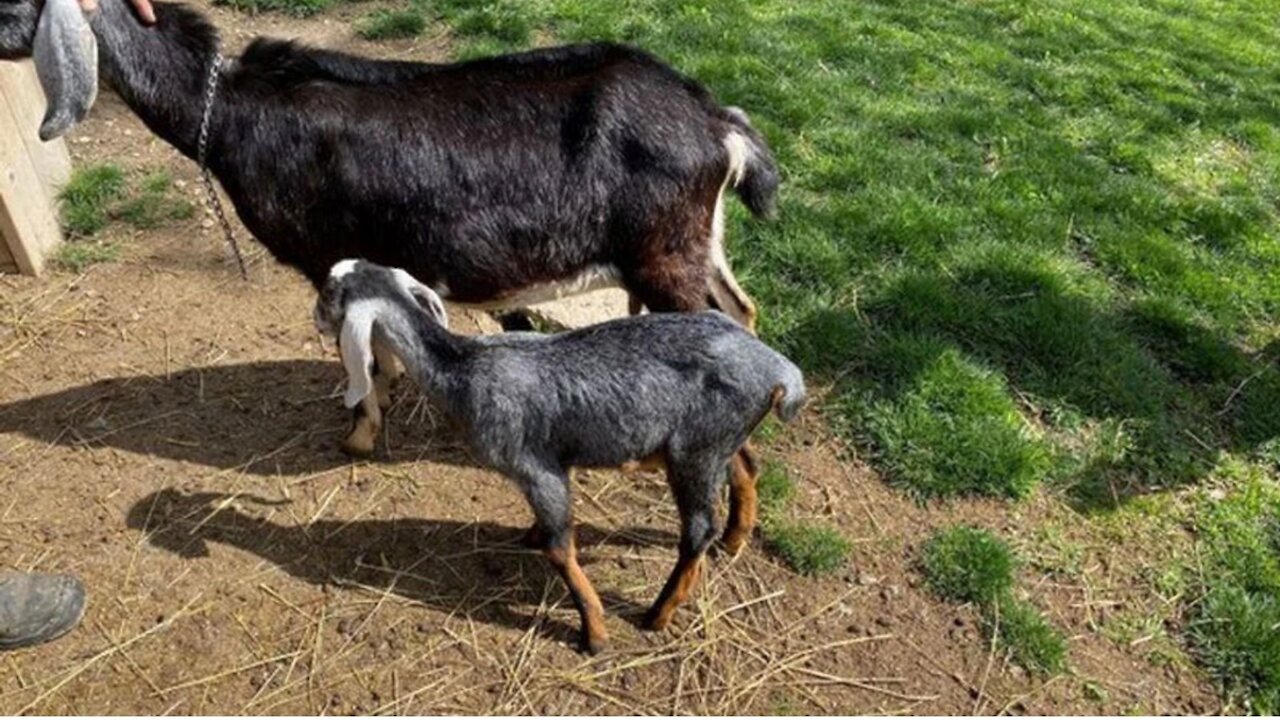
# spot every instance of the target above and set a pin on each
(31, 173)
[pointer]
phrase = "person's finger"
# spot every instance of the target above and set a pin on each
(145, 11)
(88, 5)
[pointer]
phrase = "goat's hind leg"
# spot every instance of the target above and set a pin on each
(386, 371)
(744, 472)
(548, 495)
(695, 485)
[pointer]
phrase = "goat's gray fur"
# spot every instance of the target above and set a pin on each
(66, 59)
(684, 389)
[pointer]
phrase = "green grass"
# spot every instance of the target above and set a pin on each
(97, 195)
(300, 8)
(774, 489)
(154, 204)
(805, 547)
(77, 255)
(1235, 624)
(392, 24)
(971, 565)
(1030, 639)
(88, 196)
(953, 430)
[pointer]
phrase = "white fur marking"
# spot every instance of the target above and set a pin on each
(592, 278)
(342, 268)
(355, 342)
(740, 152)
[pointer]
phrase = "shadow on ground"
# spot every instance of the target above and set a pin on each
(262, 417)
(477, 569)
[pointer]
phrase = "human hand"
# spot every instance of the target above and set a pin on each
(145, 11)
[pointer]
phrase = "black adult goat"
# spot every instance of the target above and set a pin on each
(497, 182)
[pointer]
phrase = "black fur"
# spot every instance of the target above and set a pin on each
(484, 177)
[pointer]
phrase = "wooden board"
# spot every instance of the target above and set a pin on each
(31, 173)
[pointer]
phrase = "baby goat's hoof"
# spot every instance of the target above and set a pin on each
(733, 543)
(594, 646)
(359, 443)
(655, 621)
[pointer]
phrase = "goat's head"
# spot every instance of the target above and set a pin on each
(56, 34)
(356, 294)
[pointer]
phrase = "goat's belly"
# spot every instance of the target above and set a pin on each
(595, 277)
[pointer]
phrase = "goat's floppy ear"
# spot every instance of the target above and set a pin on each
(66, 57)
(356, 344)
(432, 303)
(427, 298)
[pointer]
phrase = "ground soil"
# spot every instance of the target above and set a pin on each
(170, 434)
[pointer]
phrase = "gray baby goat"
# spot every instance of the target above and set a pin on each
(676, 391)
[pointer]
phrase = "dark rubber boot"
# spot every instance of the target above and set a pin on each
(37, 608)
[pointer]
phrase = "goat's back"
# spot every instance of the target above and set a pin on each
(617, 391)
(492, 174)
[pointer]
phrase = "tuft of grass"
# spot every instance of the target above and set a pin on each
(808, 549)
(774, 489)
(77, 255)
(392, 24)
(297, 8)
(1030, 639)
(154, 205)
(953, 431)
(1235, 628)
(88, 196)
(969, 565)
(1237, 637)
(97, 195)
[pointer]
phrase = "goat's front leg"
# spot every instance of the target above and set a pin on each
(548, 495)
(366, 420)
(366, 423)
(694, 485)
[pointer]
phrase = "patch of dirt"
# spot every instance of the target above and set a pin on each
(169, 433)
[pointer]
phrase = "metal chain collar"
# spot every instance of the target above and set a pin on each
(202, 149)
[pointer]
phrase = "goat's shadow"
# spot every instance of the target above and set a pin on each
(260, 417)
(478, 569)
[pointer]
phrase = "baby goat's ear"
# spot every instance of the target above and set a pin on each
(427, 298)
(356, 344)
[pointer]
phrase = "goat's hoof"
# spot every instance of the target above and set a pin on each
(594, 645)
(356, 445)
(733, 543)
(655, 622)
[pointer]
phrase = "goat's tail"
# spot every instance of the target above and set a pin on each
(752, 171)
(789, 394)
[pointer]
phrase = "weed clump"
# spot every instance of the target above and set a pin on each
(1235, 628)
(392, 24)
(971, 565)
(99, 194)
(806, 548)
